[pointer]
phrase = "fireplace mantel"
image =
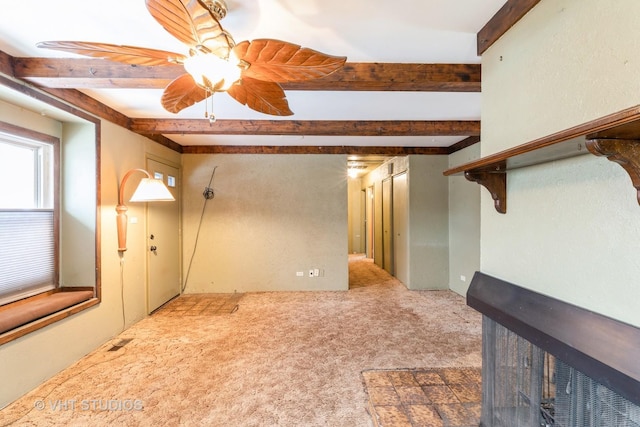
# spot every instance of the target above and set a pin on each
(605, 349)
(616, 137)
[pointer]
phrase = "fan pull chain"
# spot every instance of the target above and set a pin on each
(211, 117)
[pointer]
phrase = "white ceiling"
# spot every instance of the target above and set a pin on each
(402, 31)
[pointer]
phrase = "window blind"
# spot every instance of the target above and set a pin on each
(27, 253)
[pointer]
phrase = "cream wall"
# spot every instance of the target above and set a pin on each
(77, 214)
(356, 213)
(464, 223)
(428, 223)
(28, 361)
(572, 227)
(272, 216)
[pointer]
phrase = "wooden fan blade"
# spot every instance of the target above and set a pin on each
(181, 93)
(126, 54)
(262, 96)
(279, 61)
(191, 23)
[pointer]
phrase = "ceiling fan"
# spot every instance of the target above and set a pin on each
(250, 71)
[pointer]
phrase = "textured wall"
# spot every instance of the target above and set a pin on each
(464, 223)
(78, 214)
(272, 216)
(572, 229)
(428, 223)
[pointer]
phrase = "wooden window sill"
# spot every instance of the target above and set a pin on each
(23, 317)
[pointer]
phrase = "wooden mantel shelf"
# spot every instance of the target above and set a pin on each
(616, 137)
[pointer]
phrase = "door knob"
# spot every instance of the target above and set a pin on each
(153, 249)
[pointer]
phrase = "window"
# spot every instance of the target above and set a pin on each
(28, 213)
(49, 210)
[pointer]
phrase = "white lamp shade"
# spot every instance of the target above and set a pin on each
(151, 190)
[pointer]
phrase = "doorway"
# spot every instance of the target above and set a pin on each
(163, 238)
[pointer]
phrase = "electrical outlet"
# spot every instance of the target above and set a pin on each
(316, 272)
(463, 278)
(299, 273)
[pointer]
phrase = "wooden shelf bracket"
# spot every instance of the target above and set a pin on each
(625, 152)
(495, 182)
(616, 137)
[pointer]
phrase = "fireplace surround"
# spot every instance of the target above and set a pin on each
(550, 363)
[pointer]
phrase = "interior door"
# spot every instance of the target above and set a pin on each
(362, 224)
(387, 225)
(400, 228)
(369, 205)
(163, 239)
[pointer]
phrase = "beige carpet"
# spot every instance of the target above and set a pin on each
(259, 359)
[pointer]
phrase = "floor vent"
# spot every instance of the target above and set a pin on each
(120, 344)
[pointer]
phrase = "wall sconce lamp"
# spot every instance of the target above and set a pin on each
(149, 190)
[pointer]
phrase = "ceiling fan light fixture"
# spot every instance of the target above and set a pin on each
(211, 72)
(250, 72)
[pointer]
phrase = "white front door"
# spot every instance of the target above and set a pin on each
(163, 239)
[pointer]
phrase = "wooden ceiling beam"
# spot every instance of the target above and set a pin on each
(361, 76)
(60, 77)
(6, 64)
(307, 127)
(89, 104)
(505, 18)
(86, 103)
(93, 73)
(304, 149)
(467, 142)
(98, 73)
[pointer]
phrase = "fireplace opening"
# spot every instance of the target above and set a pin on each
(526, 386)
(549, 363)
